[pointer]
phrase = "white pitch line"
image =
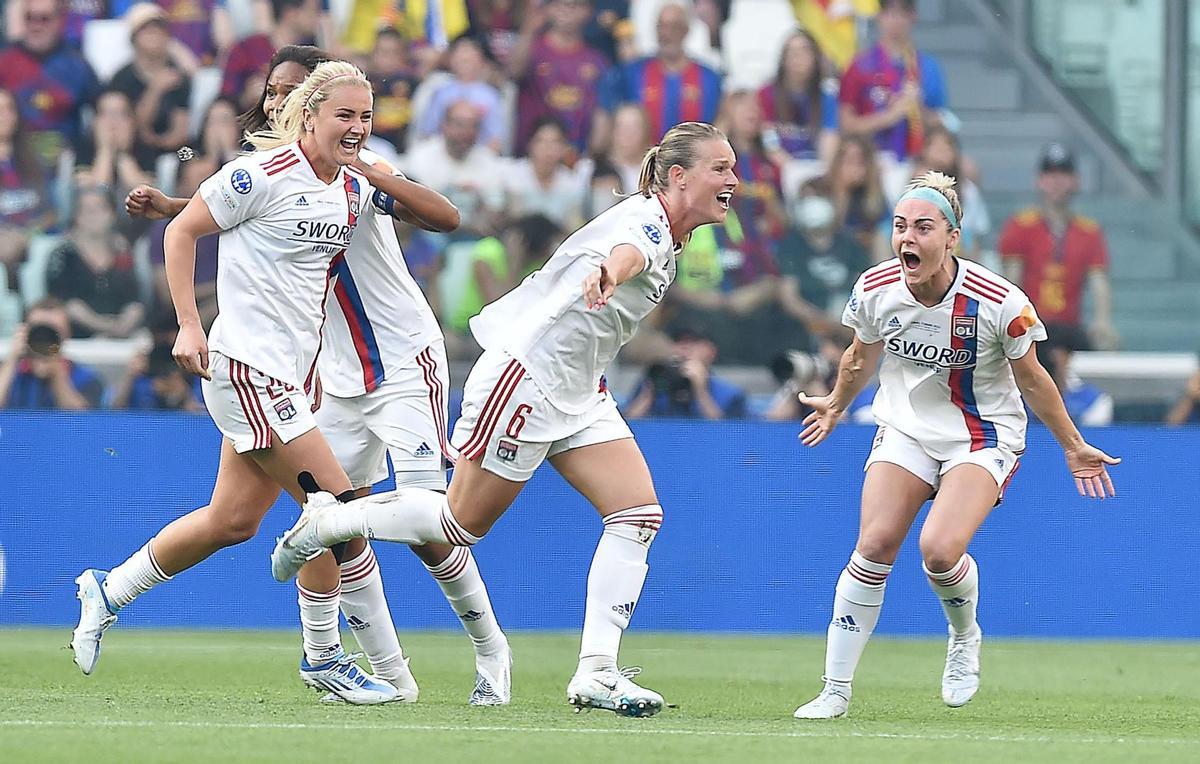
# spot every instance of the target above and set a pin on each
(810, 733)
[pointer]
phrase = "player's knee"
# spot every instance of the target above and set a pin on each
(640, 524)
(235, 531)
(941, 553)
(879, 547)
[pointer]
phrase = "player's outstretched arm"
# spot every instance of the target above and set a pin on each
(410, 201)
(623, 263)
(179, 254)
(1086, 462)
(150, 203)
(856, 367)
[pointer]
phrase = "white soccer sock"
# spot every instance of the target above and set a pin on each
(958, 589)
(856, 605)
(137, 575)
(319, 623)
(407, 515)
(615, 583)
(458, 576)
(366, 610)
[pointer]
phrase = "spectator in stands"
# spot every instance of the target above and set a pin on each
(834, 25)
(670, 86)
(893, 91)
(557, 73)
(78, 14)
(429, 25)
(604, 188)
(1053, 252)
(296, 23)
(542, 183)
(158, 89)
(92, 273)
(820, 263)
(855, 187)
(49, 77)
(498, 24)
(153, 381)
(499, 263)
(609, 25)
(684, 386)
(390, 70)
(456, 165)
(468, 67)
(219, 141)
(800, 114)
(759, 200)
(113, 156)
(25, 207)
(203, 27)
(943, 153)
(630, 140)
(36, 374)
(1187, 409)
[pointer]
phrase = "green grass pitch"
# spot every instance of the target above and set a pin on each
(188, 696)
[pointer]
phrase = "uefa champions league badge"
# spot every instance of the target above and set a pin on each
(186, 154)
(652, 233)
(240, 180)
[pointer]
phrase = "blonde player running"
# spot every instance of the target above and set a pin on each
(383, 370)
(957, 347)
(282, 213)
(538, 392)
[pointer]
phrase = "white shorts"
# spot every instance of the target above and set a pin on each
(510, 426)
(892, 446)
(405, 416)
(249, 407)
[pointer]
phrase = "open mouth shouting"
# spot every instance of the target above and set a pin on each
(910, 259)
(724, 198)
(350, 144)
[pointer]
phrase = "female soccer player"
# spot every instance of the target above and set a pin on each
(382, 372)
(538, 392)
(957, 346)
(282, 213)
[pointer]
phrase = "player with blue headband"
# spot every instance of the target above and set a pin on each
(958, 366)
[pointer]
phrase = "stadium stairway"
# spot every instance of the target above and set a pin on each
(1007, 118)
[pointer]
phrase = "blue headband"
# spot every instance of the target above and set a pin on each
(935, 198)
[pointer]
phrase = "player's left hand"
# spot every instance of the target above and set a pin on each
(598, 288)
(1087, 465)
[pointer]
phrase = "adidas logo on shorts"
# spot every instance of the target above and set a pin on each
(423, 450)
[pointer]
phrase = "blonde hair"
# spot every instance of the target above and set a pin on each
(677, 147)
(314, 91)
(942, 184)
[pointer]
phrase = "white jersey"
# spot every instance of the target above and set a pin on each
(544, 322)
(945, 380)
(379, 320)
(281, 226)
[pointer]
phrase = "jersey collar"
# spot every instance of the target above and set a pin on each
(954, 286)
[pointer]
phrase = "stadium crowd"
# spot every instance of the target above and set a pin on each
(531, 116)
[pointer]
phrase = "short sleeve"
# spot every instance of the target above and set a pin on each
(829, 110)
(237, 192)
(1009, 243)
(933, 86)
(649, 236)
(857, 317)
(1020, 326)
(1098, 256)
(848, 93)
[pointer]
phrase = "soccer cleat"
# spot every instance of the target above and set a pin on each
(342, 676)
(613, 691)
(405, 684)
(95, 615)
(960, 680)
(299, 544)
(832, 703)
(493, 679)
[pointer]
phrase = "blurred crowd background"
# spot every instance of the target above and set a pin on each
(531, 116)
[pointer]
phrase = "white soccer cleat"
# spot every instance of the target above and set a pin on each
(613, 691)
(299, 544)
(493, 679)
(832, 703)
(960, 680)
(341, 676)
(405, 684)
(95, 615)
